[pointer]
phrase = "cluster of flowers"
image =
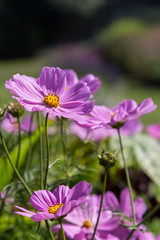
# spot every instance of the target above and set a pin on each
(59, 93)
(80, 211)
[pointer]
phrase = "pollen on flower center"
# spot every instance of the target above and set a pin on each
(87, 224)
(53, 208)
(52, 100)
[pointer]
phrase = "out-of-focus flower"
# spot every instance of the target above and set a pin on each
(48, 94)
(62, 201)
(154, 130)
(82, 220)
(92, 82)
(129, 128)
(3, 196)
(10, 124)
(123, 210)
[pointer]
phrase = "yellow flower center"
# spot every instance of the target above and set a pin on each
(53, 208)
(87, 224)
(52, 100)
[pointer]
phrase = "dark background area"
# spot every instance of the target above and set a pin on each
(27, 26)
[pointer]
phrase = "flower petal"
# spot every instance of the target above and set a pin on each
(71, 78)
(41, 200)
(37, 217)
(92, 82)
(52, 80)
(78, 92)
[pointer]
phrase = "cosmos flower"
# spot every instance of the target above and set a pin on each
(124, 111)
(10, 124)
(92, 82)
(48, 93)
(154, 130)
(57, 204)
(81, 222)
(123, 210)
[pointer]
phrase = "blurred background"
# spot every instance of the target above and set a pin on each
(117, 40)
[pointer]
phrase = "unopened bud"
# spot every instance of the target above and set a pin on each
(2, 111)
(15, 109)
(107, 159)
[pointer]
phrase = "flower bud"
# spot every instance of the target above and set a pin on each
(15, 109)
(2, 111)
(107, 159)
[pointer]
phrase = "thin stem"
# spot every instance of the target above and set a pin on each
(49, 230)
(47, 146)
(100, 207)
(30, 144)
(127, 177)
(16, 165)
(41, 151)
(63, 235)
(13, 166)
(19, 142)
(150, 214)
(62, 137)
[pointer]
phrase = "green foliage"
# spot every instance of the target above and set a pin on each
(141, 151)
(6, 170)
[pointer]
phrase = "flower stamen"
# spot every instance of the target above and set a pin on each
(52, 100)
(53, 208)
(87, 224)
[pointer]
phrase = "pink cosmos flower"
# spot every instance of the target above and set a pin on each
(82, 220)
(57, 204)
(124, 111)
(48, 94)
(130, 127)
(10, 125)
(92, 82)
(124, 208)
(154, 130)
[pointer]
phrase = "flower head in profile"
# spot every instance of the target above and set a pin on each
(124, 209)
(81, 222)
(48, 93)
(118, 115)
(62, 201)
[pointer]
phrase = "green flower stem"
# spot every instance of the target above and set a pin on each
(63, 235)
(47, 145)
(49, 230)
(127, 177)
(100, 207)
(150, 214)
(41, 151)
(62, 136)
(13, 166)
(30, 144)
(19, 142)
